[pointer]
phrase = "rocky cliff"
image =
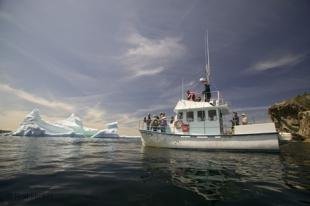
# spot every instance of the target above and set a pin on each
(293, 116)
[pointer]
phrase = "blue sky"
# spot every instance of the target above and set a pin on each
(117, 60)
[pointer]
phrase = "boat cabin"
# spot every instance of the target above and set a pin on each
(200, 118)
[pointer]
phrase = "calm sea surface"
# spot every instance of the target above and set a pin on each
(72, 171)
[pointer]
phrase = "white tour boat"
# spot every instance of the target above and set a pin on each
(199, 125)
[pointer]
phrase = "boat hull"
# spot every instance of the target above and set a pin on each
(266, 141)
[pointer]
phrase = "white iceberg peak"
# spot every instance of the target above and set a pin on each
(33, 115)
(112, 125)
(74, 119)
(73, 116)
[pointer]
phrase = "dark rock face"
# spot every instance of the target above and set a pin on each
(292, 116)
(304, 127)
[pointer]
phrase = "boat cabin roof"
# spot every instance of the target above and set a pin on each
(185, 105)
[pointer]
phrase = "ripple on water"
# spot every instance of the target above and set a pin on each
(120, 172)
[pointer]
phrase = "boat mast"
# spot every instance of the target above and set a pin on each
(206, 80)
(182, 90)
(207, 57)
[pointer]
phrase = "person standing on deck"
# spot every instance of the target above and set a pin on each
(207, 91)
(235, 119)
(155, 123)
(148, 121)
(244, 119)
(163, 124)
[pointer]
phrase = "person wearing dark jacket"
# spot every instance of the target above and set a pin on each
(148, 121)
(235, 119)
(207, 91)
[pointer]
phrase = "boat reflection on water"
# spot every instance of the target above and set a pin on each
(216, 175)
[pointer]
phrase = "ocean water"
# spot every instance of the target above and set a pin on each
(72, 171)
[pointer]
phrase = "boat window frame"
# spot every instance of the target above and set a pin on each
(203, 118)
(213, 117)
(191, 119)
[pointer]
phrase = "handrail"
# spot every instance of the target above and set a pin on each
(170, 128)
(219, 100)
(192, 127)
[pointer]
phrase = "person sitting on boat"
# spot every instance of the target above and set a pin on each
(155, 123)
(191, 95)
(207, 91)
(244, 119)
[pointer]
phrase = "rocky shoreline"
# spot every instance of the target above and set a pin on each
(4, 131)
(293, 116)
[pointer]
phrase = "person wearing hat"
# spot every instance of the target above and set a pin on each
(244, 119)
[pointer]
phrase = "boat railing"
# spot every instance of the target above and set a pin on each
(216, 98)
(144, 126)
(170, 128)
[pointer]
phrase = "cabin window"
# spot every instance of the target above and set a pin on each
(180, 115)
(201, 115)
(189, 116)
(212, 115)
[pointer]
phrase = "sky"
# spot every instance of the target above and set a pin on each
(108, 60)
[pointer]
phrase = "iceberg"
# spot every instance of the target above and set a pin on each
(34, 125)
(111, 131)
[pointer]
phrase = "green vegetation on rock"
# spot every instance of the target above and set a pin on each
(293, 116)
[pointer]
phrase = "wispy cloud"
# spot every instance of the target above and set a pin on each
(153, 48)
(35, 99)
(141, 72)
(278, 62)
(148, 57)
